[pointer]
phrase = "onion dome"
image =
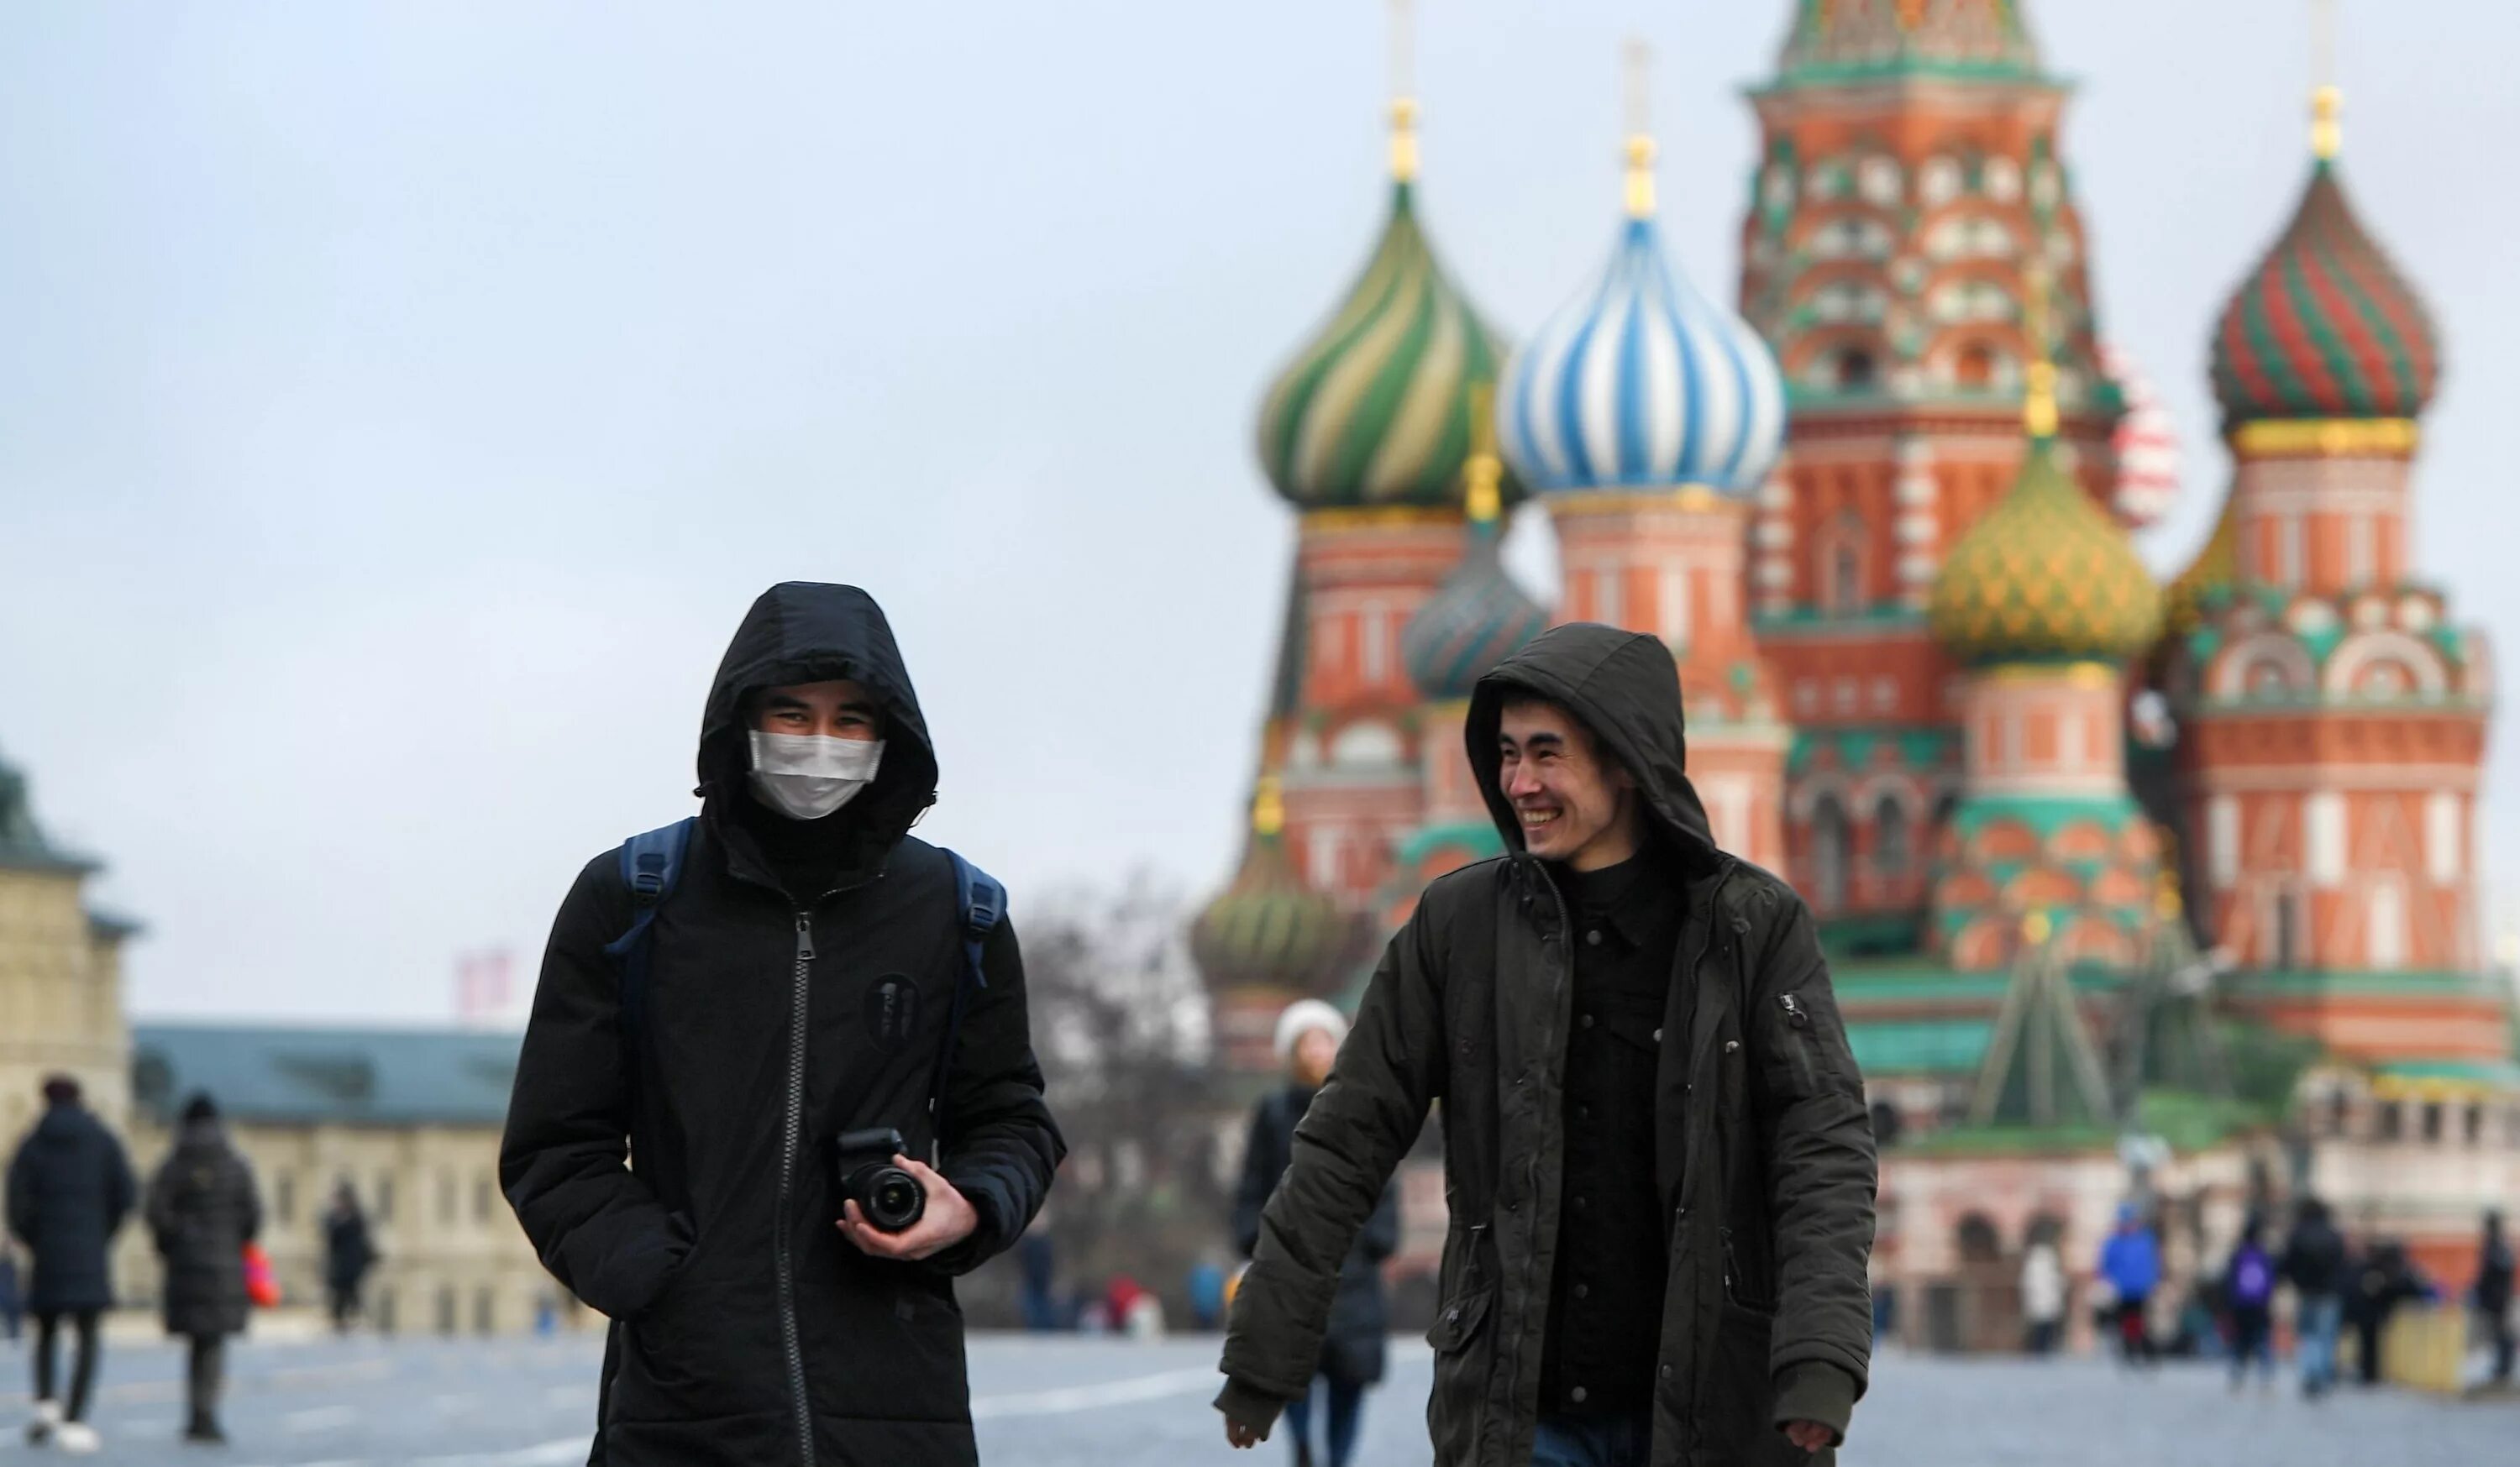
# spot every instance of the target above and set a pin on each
(1478, 617)
(2045, 575)
(1640, 382)
(2324, 326)
(2215, 566)
(1268, 930)
(1837, 40)
(1375, 411)
(2146, 445)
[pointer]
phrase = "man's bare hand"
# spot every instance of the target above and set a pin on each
(949, 1220)
(1810, 1436)
(1243, 1438)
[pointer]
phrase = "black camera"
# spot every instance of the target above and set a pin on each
(890, 1199)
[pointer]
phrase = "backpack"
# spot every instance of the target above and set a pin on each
(651, 864)
(2253, 1279)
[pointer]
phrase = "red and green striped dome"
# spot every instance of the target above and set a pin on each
(2324, 326)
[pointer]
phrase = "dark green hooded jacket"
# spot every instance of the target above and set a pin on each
(1763, 1143)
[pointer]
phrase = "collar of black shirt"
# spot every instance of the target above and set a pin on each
(1626, 898)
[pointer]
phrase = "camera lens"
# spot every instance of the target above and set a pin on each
(894, 1201)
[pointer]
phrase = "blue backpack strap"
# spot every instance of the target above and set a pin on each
(651, 863)
(980, 903)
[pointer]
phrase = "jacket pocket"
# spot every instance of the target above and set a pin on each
(1746, 1282)
(1464, 1353)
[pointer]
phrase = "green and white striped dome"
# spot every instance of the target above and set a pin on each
(1375, 411)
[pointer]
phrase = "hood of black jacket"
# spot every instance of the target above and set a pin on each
(1625, 689)
(807, 631)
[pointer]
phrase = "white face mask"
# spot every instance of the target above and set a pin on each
(805, 777)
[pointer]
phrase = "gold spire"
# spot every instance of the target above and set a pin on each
(2039, 403)
(1482, 474)
(2326, 97)
(1404, 102)
(1268, 808)
(1641, 142)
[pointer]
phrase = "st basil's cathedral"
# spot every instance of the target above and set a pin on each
(2132, 890)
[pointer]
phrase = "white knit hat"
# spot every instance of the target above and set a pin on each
(1308, 1013)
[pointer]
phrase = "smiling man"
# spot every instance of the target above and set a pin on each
(1655, 1142)
(718, 1059)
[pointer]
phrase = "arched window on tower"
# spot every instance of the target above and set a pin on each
(1974, 370)
(1855, 369)
(1832, 840)
(1840, 552)
(1891, 848)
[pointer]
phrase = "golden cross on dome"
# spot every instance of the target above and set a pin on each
(1268, 808)
(2326, 97)
(1404, 99)
(1482, 473)
(2039, 403)
(1639, 59)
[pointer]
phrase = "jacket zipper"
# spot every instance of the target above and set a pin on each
(1531, 1164)
(790, 1143)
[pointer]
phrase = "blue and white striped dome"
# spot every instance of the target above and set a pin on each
(1641, 384)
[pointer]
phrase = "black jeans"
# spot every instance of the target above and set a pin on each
(48, 1328)
(204, 1368)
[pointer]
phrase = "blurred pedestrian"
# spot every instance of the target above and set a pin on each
(2315, 1263)
(348, 1254)
(70, 1188)
(2385, 1279)
(2248, 1298)
(13, 1305)
(2493, 1295)
(203, 1211)
(1036, 1257)
(2131, 1261)
(1309, 1035)
(1206, 1283)
(2043, 1296)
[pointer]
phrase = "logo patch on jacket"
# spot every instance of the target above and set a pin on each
(893, 1012)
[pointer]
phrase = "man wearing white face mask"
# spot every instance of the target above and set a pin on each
(791, 981)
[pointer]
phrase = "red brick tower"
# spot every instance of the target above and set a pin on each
(1911, 179)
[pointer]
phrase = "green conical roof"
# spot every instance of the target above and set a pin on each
(1375, 410)
(1843, 40)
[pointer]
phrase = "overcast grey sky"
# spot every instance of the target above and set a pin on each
(404, 401)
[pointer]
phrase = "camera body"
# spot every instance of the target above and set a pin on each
(890, 1199)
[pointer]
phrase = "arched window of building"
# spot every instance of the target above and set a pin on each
(1891, 852)
(2284, 919)
(1832, 838)
(1855, 369)
(2393, 1120)
(1975, 369)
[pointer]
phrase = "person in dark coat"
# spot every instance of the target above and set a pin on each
(70, 1188)
(2315, 1263)
(348, 1254)
(2383, 1281)
(799, 982)
(202, 1211)
(1309, 1035)
(2493, 1295)
(1657, 1150)
(2248, 1287)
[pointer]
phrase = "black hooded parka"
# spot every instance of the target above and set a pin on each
(749, 1330)
(1764, 1154)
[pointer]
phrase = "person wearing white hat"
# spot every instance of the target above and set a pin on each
(1309, 1035)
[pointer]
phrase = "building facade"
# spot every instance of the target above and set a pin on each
(2166, 893)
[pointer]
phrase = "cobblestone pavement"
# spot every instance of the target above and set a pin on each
(1068, 1402)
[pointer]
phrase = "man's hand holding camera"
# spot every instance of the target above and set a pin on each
(947, 1220)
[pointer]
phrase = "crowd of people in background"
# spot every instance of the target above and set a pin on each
(71, 1189)
(2231, 1310)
